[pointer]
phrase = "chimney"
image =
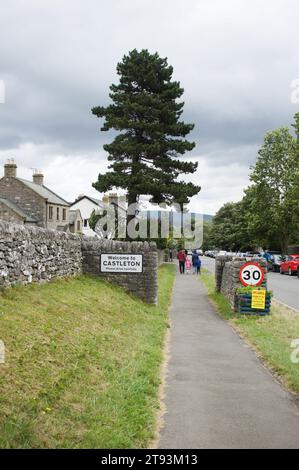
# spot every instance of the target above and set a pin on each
(113, 198)
(38, 177)
(10, 169)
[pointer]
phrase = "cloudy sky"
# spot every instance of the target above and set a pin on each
(236, 61)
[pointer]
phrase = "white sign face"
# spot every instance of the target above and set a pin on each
(252, 274)
(121, 263)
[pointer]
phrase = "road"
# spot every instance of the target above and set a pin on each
(285, 288)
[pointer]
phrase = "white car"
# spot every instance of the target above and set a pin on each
(222, 253)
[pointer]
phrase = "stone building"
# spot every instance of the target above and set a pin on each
(75, 221)
(32, 203)
(87, 205)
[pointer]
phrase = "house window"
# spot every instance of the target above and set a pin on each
(57, 213)
(50, 212)
(78, 225)
(85, 222)
(63, 214)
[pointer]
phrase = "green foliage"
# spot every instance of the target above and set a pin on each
(151, 137)
(208, 243)
(82, 365)
(249, 289)
(230, 229)
(93, 219)
(270, 336)
(275, 178)
(268, 214)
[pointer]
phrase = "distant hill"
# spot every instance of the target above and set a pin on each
(208, 217)
(176, 215)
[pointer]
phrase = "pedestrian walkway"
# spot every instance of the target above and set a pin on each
(218, 395)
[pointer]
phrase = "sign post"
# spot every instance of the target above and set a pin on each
(254, 300)
(252, 274)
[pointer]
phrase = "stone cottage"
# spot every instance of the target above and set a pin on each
(32, 203)
(75, 221)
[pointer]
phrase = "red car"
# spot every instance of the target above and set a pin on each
(290, 265)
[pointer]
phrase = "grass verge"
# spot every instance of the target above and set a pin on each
(270, 336)
(82, 364)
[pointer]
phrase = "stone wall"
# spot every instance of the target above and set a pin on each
(161, 257)
(34, 254)
(143, 285)
(227, 271)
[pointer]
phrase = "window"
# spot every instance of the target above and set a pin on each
(57, 213)
(85, 222)
(50, 212)
(63, 214)
(78, 225)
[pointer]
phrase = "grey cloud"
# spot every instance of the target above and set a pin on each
(235, 60)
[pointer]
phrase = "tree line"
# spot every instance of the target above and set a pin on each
(268, 214)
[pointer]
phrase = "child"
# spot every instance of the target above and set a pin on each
(198, 266)
(188, 266)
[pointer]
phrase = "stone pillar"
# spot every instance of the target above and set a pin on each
(219, 266)
(227, 272)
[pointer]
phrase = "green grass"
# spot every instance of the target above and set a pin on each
(82, 364)
(270, 336)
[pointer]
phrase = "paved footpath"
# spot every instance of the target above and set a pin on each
(218, 395)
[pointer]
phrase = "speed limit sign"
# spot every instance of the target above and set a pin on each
(251, 274)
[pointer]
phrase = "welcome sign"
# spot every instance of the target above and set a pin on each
(121, 263)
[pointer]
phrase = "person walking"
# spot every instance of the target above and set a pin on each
(182, 259)
(198, 266)
(196, 262)
(188, 265)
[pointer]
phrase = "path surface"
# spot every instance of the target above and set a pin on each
(285, 288)
(218, 395)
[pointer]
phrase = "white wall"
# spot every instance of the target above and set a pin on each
(86, 207)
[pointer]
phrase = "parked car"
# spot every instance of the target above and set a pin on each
(210, 253)
(274, 263)
(270, 253)
(222, 253)
(253, 254)
(289, 265)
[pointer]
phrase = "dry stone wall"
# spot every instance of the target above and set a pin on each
(143, 285)
(33, 254)
(227, 271)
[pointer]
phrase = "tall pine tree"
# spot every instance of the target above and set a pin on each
(144, 154)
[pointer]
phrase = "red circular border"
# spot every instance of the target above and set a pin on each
(252, 264)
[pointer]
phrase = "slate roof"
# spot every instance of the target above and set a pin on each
(45, 192)
(98, 202)
(17, 210)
